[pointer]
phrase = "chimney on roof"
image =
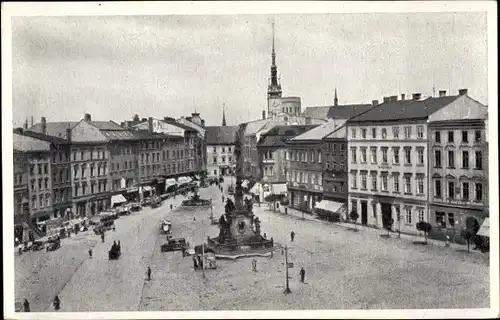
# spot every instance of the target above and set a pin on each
(394, 98)
(32, 121)
(263, 114)
(462, 92)
(374, 102)
(68, 134)
(386, 99)
(144, 119)
(416, 96)
(403, 96)
(44, 125)
(150, 124)
(442, 93)
(25, 126)
(87, 117)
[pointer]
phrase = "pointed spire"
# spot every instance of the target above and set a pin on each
(273, 54)
(223, 114)
(335, 99)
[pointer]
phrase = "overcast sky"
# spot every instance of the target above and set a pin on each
(116, 66)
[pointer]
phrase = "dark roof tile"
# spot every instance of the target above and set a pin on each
(220, 134)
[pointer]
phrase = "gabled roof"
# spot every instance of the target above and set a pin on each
(55, 129)
(316, 112)
(44, 137)
(180, 125)
(339, 133)
(216, 135)
(319, 132)
(347, 111)
(278, 135)
(106, 125)
(404, 109)
(24, 143)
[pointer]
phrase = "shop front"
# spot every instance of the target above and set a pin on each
(170, 185)
(304, 200)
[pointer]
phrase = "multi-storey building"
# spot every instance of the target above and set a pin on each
(35, 160)
(272, 147)
(220, 143)
(305, 180)
(61, 172)
(195, 122)
(458, 184)
(335, 177)
(388, 159)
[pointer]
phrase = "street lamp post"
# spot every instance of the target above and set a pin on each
(287, 289)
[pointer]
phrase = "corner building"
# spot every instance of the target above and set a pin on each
(388, 159)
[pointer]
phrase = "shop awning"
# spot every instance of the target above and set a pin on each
(117, 199)
(278, 188)
(183, 180)
(256, 188)
(170, 182)
(485, 228)
(133, 189)
(331, 206)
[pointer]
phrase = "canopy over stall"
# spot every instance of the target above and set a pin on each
(184, 180)
(331, 206)
(485, 228)
(117, 200)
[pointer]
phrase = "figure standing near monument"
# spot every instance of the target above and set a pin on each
(292, 235)
(302, 274)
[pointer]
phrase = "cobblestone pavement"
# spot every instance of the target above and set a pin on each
(344, 270)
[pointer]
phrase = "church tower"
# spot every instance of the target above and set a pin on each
(223, 115)
(274, 87)
(335, 99)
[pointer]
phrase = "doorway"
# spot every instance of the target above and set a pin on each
(364, 212)
(386, 214)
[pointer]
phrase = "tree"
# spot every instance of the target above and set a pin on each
(425, 227)
(354, 217)
(470, 230)
(136, 118)
(387, 223)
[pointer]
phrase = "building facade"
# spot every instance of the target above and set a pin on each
(274, 159)
(305, 180)
(389, 159)
(458, 187)
(220, 142)
(335, 174)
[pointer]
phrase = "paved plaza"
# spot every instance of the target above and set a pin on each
(344, 269)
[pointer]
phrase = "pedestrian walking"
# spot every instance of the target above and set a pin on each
(254, 265)
(102, 236)
(195, 263)
(292, 235)
(119, 246)
(171, 206)
(265, 235)
(26, 306)
(222, 198)
(148, 272)
(302, 274)
(90, 253)
(57, 303)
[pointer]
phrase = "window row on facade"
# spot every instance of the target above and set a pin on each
(40, 169)
(407, 183)
(303, 177)
(94, 169)
(466, 136)
(41, 201)
(453, 190)
(383, 152)
(466, 158)
(382, 133)
(84, 188)
(311, 155)
(85, 155)
(223, 149)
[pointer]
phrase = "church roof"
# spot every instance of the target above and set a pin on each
(316, 112)
(220, 135)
